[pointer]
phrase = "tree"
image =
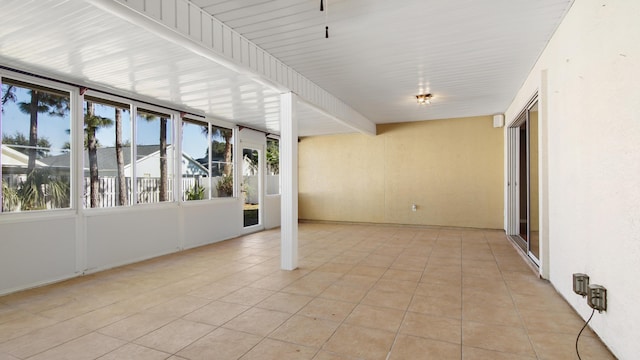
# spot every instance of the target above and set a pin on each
(122, 185)
(91, 124)
(163, 154)
(226, 134)
(43, 146)
(41, 103)
(273, 156)
(8, 94)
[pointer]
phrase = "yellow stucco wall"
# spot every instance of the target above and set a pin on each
(451, 169)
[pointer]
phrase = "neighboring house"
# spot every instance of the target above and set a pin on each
(147, 165)
(14, 164)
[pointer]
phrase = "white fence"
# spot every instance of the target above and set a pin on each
(148, 189)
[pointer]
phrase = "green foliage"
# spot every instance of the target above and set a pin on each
(8, 94)
(273, 157)
(10, 198)
(41, 188)
(225, 186)
(44, 145)
(54, 105)
(196, 192)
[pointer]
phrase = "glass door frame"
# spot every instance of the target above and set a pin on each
(515, 164)
(261, 171)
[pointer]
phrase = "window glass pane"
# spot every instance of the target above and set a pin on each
(36, 147)
(222, 161)
(273, 166)
(195, 160)
(107, 155)
(154, 157)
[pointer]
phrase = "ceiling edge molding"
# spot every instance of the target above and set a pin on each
(185, 24)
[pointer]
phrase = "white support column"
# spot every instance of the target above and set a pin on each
(289, 178)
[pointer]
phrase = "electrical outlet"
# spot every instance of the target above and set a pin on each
(414, 207)
(597, 297)
(580, 283)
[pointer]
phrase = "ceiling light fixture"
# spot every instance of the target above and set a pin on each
(424, 99)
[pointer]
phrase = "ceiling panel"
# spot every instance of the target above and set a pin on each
(472, 55)
(88, 46)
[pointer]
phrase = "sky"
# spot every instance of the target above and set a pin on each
(56, 129)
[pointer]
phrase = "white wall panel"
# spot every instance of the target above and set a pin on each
(37, 251)
(128, 235)
(206, 222)
(271, 211)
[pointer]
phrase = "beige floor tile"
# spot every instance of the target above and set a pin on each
(284, 302)
(215, 290)
(23, 325)
(43, 339)
(325, 355)
(136, 326)
(491, 314)
(432, 327)
(360, 342)
(376, 317)
(247, 296)
(387, 299)
(402, 275)
(90, 346)
(367, 270)
(174, 336)
(327, 309)
(134, 352)
(437, 305)
(498, 338)
(411, 347)
(344, 293)
(274, 349)
(307, 287)
(550, 346)
(470, 353)
(258, 321)
(216, 313)
(400, 286)
(554, 321)
(220, 344)
(178, 306)
(307, 331)
(439, 289)
(5, 356)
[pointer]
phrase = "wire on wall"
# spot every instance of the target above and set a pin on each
(580, 333)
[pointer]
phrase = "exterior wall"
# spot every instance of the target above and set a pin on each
(588, 80)
(451, 169)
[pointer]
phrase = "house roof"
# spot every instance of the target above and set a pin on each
(106, 157)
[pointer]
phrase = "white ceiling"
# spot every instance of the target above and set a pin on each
(472, 55)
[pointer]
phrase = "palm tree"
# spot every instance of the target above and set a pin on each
(162, 188)
(41, 103)
(226, 134)
(91, 124)
(122, 185)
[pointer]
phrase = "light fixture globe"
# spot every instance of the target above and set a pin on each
(424, 99)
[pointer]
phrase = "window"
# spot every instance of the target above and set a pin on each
(222, 161)
(107, 153)
(273, 166)
(35, 146)
(154, 157)
(195, 160)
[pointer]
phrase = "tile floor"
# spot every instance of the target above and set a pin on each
(361, 292)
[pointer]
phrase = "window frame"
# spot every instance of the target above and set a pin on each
(75, 103)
